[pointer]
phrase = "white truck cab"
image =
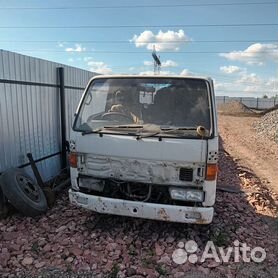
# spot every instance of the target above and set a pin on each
(146, 146)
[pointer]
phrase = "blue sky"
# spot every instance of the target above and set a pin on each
(245, 68)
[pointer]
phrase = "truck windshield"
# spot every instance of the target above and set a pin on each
(171, 103)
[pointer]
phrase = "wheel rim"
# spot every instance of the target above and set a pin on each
(28, 188)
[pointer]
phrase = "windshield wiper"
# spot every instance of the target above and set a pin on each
(123, 126)
(177, 128)
(200, 130)
(164, 130)
(100, 130)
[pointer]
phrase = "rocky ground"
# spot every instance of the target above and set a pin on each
(267, 126)
(71, 242)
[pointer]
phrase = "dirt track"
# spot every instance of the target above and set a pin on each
(258, 154)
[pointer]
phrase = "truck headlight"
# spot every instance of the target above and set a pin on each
(191, 195)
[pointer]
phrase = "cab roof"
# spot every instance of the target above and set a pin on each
(151, 76)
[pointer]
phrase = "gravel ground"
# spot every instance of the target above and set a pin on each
(267, 126)
(71, 242)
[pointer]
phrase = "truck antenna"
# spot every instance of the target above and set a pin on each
(156, 62)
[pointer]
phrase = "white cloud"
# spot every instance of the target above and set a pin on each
(162, 41)
(249, 78)
(77, 48)
(247, 84)
(231, 69)
(169, 64)
(86, 59)
(99, 67)
(148, 63)
(219, 85)
(164, 64)
(186, 72)
(255, 54)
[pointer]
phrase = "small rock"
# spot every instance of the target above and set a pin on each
(14, 247)
(170, 239)
(130, 271)
(27, 261)
(60, 229)
(158, 250)
(76, 251)
(204, 270)
(181, 244)
(46, 248)
(65, 242)
(84, 267)
(165, 259)
(179, 275)
(4, 258)
(11, 229)
(213, 264)
(94, 267)
(39, 265)
(69, 259)
(111, 246)
(10, 235)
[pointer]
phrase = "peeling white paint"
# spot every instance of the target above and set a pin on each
(139, 170)
(182, 214)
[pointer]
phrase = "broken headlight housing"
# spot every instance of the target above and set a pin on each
(189, 195)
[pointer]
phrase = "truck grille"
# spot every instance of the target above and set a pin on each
(186, 174)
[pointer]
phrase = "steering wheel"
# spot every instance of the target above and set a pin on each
(114, 115)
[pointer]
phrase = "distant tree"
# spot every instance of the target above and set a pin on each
(265, 96)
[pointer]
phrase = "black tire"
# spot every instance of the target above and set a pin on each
(23, 193)
(3, 202)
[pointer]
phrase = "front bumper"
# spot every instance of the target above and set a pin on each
(171, 213)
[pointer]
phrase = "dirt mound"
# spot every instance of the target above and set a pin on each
(267, 126)
(234, 107)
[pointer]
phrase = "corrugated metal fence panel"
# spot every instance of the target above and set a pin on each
(30, 114)
(77, 77)
(15, 66)
(30, 123)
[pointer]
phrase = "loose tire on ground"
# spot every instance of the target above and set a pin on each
(3, 203)
(23, 192)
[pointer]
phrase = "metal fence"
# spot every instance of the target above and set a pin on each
(30, 110)
(251, 102)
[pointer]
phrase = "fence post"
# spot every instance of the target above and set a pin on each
(62, 116)
(257, 103)
(224, 99)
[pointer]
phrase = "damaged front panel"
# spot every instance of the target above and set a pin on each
(145, 171)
